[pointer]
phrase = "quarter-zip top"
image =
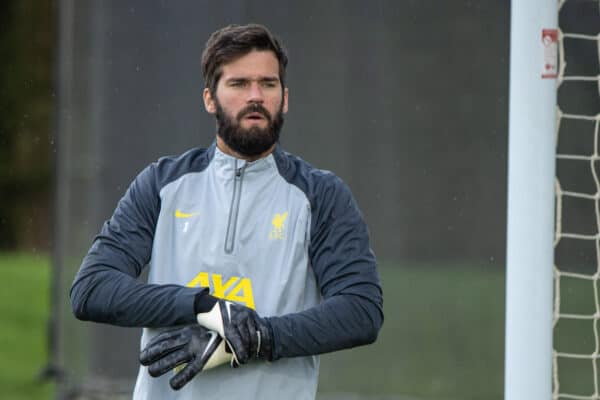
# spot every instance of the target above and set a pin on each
(235, 207)
(298, 254)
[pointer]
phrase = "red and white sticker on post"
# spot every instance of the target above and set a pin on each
(550, 44)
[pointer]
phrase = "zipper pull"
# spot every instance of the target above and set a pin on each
(239, 171)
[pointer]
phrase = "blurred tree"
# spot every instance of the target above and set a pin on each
(26, 105)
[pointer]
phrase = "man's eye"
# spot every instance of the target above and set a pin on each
(237, 83)
(270, 83)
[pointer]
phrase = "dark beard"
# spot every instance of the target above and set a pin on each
(249, 142)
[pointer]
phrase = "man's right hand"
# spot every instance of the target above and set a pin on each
(194, 345)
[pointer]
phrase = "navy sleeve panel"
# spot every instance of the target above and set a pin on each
(340, 322)
(351, 313)
(105, 289)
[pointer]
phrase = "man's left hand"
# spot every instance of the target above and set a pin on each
(246, 333)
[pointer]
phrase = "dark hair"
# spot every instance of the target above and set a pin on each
(233, 41)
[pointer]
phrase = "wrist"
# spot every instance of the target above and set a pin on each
(204, 302)
(268, 345)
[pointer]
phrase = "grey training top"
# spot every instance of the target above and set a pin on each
(275, 234)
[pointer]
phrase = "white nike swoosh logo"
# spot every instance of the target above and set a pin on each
(209, 345)
(228, 307)
(259, 343)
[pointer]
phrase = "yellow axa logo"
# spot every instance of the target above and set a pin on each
(278, 222)
(181, 214)
(234, 289)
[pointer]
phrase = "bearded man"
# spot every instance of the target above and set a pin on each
(258, 262)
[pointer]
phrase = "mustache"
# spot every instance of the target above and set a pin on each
(254, 108)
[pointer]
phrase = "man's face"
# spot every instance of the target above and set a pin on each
(249, 103)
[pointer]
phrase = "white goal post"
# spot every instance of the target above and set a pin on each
(530, 205)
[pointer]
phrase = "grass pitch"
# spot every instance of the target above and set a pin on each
(24, 307)
(443, 336)
(442, 339)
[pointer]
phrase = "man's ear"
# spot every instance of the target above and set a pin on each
(209, 102)
(285, 100)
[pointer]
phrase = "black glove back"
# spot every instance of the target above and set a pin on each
(246, 333)
(194, 345)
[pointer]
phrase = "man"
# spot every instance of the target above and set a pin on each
(257, 260)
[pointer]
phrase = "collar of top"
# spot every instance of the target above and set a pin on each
(227, 165)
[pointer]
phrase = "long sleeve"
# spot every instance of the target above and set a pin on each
(351, 313)
(106, 288)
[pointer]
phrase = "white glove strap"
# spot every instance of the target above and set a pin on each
(220, 356)
(212, 320)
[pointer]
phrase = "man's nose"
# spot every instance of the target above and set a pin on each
(256, 94)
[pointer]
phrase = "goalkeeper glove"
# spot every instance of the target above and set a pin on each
(247, 334)
(200, 348)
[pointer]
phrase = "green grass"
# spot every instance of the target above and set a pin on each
(443, 338)
(24, 307)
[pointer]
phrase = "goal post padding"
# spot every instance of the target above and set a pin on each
(528, 351)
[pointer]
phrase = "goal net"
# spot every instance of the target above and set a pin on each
(577, 228)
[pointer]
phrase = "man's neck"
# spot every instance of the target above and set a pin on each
(229, 151)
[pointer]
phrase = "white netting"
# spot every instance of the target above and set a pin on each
(577, 239)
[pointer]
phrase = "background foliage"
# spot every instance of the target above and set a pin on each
(26, 105)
